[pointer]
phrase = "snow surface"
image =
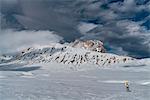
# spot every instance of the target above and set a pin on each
(33, 75)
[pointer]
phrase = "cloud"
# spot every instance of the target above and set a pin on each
(123, 37)
(123, 25)
(43, 15)
(85, 27)
(119, 26)
(11, 40)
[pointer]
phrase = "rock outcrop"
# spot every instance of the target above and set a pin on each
(93, 45)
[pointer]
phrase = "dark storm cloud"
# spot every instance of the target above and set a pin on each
(46, 15)
(120, 27)
(123, 25)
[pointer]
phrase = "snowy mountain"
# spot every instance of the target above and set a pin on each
(69, 54)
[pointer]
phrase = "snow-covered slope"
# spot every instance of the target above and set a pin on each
(63, 72)
(63, 53)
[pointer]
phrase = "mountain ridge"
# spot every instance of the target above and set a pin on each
(66, 54)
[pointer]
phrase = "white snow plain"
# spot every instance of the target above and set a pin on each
(53, 81)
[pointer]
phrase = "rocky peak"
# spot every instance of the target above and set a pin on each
(93, 45)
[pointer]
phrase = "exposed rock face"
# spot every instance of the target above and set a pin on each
(93, 45)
